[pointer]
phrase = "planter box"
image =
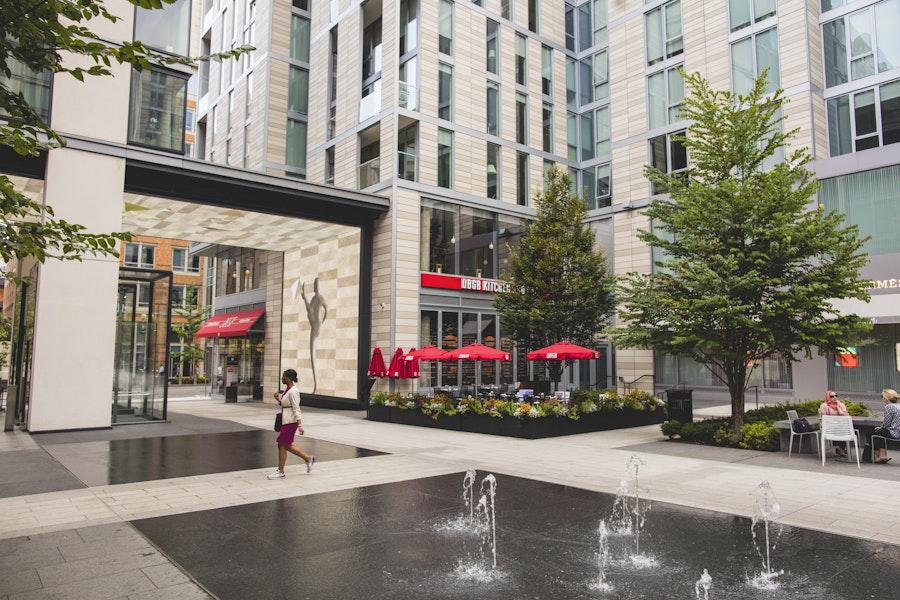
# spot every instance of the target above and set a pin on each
(521, 428)
(378, 412)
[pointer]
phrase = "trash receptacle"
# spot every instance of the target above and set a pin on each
(680, 404)
(231, 393)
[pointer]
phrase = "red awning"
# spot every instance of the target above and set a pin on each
(235, 324)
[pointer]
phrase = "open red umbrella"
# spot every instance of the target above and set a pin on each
(376, 365)
(563, 351)
(395, 369)
(477, 352)
(428, 353)
(410, 367)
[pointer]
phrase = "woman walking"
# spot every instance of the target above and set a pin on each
(290, 424)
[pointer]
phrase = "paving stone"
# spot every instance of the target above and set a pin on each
(165, 575)
(97, 588)
(184, 591)
(19, 581)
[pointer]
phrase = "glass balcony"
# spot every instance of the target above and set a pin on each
(370, 173)
(406, 166)
(409, 96)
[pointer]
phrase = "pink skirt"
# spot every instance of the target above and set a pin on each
(287, 433)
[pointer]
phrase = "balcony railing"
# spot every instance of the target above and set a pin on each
(406, 166)
(409, 96)
(370, 173)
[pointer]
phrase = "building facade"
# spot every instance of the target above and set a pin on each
(452, 111)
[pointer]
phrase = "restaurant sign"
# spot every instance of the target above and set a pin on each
(466, 284)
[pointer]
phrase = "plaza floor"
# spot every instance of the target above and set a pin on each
(176, 510)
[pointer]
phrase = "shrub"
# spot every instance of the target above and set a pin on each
(760, 436)
(702, 432)
(671, 428)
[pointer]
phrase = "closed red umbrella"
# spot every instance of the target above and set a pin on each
(376, 365)
(477, 352)
(563, 351)
(410, 368)
(395, 369)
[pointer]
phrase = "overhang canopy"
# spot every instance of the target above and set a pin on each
(235, 324)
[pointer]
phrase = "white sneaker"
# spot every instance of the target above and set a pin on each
(277, 475)
(309, 465)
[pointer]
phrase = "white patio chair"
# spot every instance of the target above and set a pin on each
(792, 416)
(839, 429)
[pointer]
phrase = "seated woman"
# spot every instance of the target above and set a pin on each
(890, 426)
(834, 407)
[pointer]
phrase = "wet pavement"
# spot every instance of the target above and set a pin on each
(184, 510)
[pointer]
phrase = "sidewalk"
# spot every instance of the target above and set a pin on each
(81, 531)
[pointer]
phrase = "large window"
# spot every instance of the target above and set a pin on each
(742, 13)
(298, 90)
(522, 178)
(493, 170)
(521, 118)
(445, 159)
(493, 108)
(862, 43)
(493, 47)
(877, 365)
(665, 95)
(445, 92)
(140, 256)
(521, 59)
(166, 29)
(770, 373)
(869, 200)
(157, 109)
(407, 152)
(668, 155)
(35, 87)
(865, 119)
(546, 71)
(240, 270)
(600, 75)
(300, 38)
(664, 32)
(603, 132)
(547, 127)
(445, 27)
(750, 57)
(183, 262)
(295, 144)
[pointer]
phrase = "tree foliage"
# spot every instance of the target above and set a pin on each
(750, 268)
(43, 35)
(560, 287)
(193, 316)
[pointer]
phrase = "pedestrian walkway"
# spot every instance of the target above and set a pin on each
(67, 542)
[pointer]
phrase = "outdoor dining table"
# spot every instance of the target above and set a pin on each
(865, 426)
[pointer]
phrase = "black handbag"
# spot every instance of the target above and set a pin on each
(278, 421)
(801, 425)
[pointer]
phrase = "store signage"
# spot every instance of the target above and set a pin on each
(467, 284)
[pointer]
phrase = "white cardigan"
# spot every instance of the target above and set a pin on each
(290, 405)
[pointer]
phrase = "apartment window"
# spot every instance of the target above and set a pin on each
(522, 178)
(230, 112)
(869, 33)
(668, 155)
(445, 92)
(183, 262)
(409, 89)
(445, 27)
(603, 191)
(572, 136)
(445, 159)
(665, 96)
(329, 165)
(587, 135)
(534, 9)
(331, 107)
(185, 296)
(409, 26)
(521, 118)
(166, 29)
(571, 83)
(493, 170)
(301, 4)
(663, 30)
(750, 57)
(407, 152)
(139, 255)
(295, 150)
(506, 9)
(35, 87)
(601, 75)
(298, 90)
(585, 81)
(369, 161)
(299, 38)
(547, 127)
(742, 13)
(157, 109)
(521, 59)
(585, 27)
(864, 119)
(493, 108)
(546, 71)
(371, 70)
(493, 47)
(570, 27)
(603, 132)
(599, 21)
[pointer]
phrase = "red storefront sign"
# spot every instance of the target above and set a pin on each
(465, 284)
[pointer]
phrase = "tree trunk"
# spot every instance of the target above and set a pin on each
(736, 379)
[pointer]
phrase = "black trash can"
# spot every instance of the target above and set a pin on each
(680, 404)
(231, 393)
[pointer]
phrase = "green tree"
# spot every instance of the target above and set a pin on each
(193, 319)
(560, 286)
(749, 268)
(42, 35)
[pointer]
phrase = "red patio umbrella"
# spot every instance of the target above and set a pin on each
(477, 352)
(395, 369)
(410, 368)
(428, 353)
(376, 365)
(563, 351)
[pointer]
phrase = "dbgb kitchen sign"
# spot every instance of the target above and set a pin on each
(466, 284)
